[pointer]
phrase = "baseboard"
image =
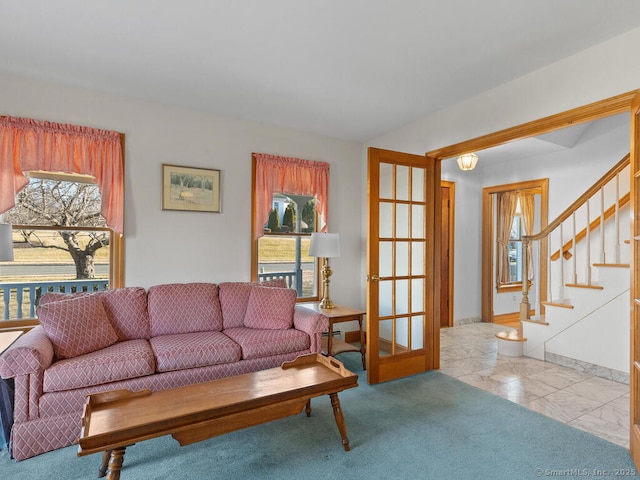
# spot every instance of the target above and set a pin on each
(597, 370)
(386, 346)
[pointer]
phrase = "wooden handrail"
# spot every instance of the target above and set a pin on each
(592, 226)
(606, 178)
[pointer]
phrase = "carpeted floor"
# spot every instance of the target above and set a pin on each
(429, 426)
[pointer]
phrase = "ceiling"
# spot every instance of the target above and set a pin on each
(351, 69)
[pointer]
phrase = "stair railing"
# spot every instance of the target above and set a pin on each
(612, 177)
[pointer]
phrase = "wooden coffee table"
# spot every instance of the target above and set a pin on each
(114, 420)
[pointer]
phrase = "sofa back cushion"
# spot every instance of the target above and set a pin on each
(184, 308)
(77, 326)
(126, 309)
(270, 308)
(234, 297)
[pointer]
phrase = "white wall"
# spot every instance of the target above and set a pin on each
(594, 74)
(168, 246)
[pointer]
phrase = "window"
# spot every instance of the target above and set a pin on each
(61, 242)
(283, 250)
(516, 211)
(46, 202)
(289, 204)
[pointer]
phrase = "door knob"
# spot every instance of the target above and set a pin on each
(373, 278)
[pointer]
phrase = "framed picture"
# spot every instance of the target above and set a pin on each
(190, 189)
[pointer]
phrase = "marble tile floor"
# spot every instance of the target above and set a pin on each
(594, 404)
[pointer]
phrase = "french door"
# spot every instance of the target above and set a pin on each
(403, 274)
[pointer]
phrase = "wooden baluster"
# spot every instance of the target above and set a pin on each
(575, 250)
(603, 255)
(561, 286)
(617, 218)
(588, 244)
(525, 307)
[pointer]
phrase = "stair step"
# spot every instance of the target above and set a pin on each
(563, 304)
(583, 285)
(615, 265)
(511, 336)
(540, 320)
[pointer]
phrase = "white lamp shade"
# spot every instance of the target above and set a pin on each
(325, 245)
(6, 243)
(467, 161)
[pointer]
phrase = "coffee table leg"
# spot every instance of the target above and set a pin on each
(308, 408)
(115, 463)
(102, 471)
(337, 412)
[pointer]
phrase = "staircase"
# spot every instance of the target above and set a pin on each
(582, 320)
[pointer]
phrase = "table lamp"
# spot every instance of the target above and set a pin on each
(6, 243)
(325, 245)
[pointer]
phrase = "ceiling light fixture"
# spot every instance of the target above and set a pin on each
(467, 161)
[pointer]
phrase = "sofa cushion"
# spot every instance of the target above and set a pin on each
(270, 308)
(126, 309)
(77, 326)
(190, 350)
(258, 343)
(234, 297)
(184, 308)
(121, 361)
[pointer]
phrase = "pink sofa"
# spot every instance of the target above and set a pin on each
(168, 336)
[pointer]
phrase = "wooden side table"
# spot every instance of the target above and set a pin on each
(334, 346)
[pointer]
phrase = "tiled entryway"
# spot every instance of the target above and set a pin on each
(594, 404)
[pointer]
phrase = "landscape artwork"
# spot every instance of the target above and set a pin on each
(190, 189)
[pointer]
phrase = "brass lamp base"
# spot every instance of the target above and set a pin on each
(326, 302)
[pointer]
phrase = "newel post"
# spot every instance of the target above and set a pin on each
(525, 307)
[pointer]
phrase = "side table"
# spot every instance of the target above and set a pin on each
(334, 346)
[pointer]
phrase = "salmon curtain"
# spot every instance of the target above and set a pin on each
(275, 174)
(527, 208)
(27, 144)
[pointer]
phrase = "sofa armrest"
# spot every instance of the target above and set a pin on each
(309, 321)
(30, 353)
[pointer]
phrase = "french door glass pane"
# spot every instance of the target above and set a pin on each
(386, 220)
(417, 258)
(402, 332)
(385, 300)
(417, 295)
(386, 180)
(417, 332)
(417, 183)
(417, 221)
(402, 259)
(402, 182)
(385, 266)
(402, 220)
(402, 297)
(386, 337)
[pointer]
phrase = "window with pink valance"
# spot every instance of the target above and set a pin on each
(275, 174)
(27, 144)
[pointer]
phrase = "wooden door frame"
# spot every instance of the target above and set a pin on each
(452, 217)
(624, 103)
(488, 239)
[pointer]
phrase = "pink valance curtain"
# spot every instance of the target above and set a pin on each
(27, 144)
(275, 174)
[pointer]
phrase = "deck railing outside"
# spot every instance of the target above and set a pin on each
(27, 294)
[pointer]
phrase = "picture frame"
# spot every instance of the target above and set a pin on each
(190, 189)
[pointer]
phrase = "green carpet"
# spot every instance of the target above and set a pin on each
(428, 426)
